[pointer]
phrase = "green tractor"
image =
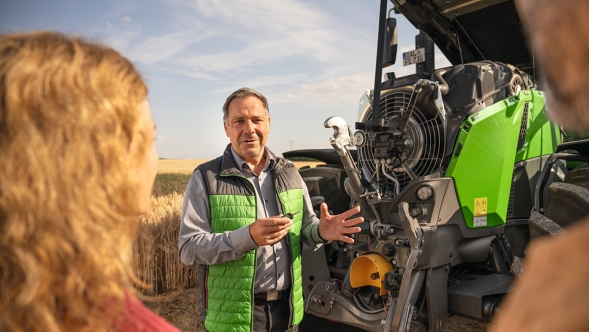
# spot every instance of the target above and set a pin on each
(448, 166)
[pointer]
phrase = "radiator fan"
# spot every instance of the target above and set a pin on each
(425, 131)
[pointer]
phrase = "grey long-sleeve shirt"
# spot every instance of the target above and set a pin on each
(199, 246)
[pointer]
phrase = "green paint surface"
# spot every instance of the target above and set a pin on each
(489, 150)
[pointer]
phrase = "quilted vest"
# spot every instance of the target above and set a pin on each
(230, 285)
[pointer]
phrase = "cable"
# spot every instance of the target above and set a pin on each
(363, 307)
(332, 301)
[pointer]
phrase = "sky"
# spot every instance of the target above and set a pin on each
(311, 59)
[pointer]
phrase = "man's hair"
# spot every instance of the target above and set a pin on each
(69, 111)
(559, 35)
(242, 93)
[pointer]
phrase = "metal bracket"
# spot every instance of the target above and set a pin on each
(340, 141)
(404, 307)
(342, 134)
(411, 225)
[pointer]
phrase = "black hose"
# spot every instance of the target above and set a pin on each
(362, 306)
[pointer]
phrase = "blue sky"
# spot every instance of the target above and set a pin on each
(312, 59)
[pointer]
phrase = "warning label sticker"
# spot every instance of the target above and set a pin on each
(480, 211)
(480, 221)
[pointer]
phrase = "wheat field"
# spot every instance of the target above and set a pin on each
(155, 254)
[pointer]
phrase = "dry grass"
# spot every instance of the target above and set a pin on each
(179, 166)
(187, 166)
(156, 259)
(168, 183)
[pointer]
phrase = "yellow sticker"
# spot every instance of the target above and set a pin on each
(480, 212)
(480, 206)
(480, 202)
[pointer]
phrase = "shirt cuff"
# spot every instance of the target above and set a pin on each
(242, 240)
(316, 237)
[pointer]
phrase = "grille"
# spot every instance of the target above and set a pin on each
(423, 41)
(510, 206)
(523, 129)
(426, 133)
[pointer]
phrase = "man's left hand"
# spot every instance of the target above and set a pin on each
(335, 228)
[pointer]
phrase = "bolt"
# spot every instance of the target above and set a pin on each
(330, 287)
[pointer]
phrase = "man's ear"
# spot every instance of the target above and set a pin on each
(269, 123)
(226, 128)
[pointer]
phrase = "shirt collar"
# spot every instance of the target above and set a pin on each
(240, 162)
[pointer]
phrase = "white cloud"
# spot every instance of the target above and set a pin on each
(267, 81)
(342, 89)
(126, 19)
(245, 34)
(161, 48)
(120, 7)
(120, 40)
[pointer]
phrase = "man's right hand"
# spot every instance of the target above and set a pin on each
(267, 231)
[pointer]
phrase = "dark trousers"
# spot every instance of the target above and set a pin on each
(272, 316)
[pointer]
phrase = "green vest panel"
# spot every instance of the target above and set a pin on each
(233, 205)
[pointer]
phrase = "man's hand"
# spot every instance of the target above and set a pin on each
(336, 227)
(267, 231)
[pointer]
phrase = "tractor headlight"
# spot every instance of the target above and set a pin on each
(424, 193)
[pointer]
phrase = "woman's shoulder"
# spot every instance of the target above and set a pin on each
(138, 318)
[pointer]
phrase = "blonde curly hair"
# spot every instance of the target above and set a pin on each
(69, 110)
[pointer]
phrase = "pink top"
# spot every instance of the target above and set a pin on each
(139, 318)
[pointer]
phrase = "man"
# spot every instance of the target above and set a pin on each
(553, 293)
(234, 227)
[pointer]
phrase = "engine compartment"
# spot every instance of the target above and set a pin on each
(404, 176)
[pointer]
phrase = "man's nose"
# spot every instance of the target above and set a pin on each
(250, 126)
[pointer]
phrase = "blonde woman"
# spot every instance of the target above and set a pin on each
(77, 165)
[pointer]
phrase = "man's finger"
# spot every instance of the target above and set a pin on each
(352, 222)
(280, 228)
(275, 237)
(351, 230)
(346, 239)
(324, 210)
(350, 213)
(275, 221)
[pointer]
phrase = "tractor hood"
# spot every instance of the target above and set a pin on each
(471, 30)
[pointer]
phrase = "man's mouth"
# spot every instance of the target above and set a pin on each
(250, 140)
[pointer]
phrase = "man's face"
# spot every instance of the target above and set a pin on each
(247, 126)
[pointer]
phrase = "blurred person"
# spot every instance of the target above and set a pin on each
(77, 165)
(553, 292)
(233, 227)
